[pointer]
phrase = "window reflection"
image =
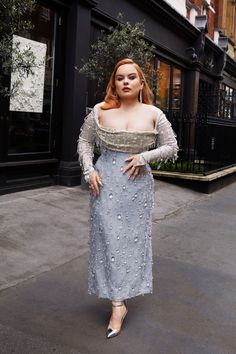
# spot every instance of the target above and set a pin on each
(228, 102)
(168, 93)
(217, 101)
(163, 85)
(176, 90)
(31, 132)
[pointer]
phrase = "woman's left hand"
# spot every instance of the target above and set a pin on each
(134, 168)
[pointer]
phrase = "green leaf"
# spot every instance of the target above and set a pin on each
(123, 41)
(13, 20)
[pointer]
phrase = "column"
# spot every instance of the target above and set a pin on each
(75, 93)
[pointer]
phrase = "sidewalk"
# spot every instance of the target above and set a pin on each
(44, 304)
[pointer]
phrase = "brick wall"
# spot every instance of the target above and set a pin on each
(201, 9)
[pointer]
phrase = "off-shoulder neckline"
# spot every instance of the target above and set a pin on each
(154, 131)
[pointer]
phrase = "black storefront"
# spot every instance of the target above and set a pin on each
(30, 143)
(38, 149)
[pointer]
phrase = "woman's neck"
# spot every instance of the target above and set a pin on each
(129, 104)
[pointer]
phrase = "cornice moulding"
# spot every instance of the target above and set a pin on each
(88, 3)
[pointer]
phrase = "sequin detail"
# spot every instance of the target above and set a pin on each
(120, 249)
(124, 244)
(162, 139)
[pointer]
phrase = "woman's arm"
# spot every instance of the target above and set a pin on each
(167, 148)
(86, 145)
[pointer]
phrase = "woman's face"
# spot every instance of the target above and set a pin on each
(127, 82)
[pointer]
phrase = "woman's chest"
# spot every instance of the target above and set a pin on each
(132, 122)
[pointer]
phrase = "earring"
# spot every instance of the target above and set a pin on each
(141, 96)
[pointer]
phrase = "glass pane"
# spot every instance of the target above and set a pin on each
(207, 99)
(228, 102)
(30, 129)
(150, 75)
(176, 90)
(163, 85)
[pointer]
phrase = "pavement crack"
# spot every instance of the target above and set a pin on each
(179, 209)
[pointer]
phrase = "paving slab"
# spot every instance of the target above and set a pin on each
(45, 228)
(44, 304)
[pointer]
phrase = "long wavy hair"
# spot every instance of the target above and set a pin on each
(112, 100)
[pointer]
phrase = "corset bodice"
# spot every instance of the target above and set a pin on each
(132, 141)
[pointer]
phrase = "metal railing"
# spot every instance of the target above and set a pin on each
(204, 147)
(217, 103)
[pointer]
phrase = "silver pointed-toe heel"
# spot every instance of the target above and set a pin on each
(112, 332)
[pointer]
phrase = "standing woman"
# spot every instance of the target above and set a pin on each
(125, 126)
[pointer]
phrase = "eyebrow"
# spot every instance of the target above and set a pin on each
(128, 75)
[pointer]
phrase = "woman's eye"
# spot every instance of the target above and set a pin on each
(132, 77)
(119, 78)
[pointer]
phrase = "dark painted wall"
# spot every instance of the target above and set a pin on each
(82, 20)
(163, 33)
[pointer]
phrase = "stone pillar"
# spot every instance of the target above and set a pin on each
(75, 92)
(190, 109)
(191, 90)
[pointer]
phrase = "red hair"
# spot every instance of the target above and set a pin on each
(112, 100)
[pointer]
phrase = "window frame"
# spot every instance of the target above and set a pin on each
(171, 88)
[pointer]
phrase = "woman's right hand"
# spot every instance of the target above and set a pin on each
(94, 183)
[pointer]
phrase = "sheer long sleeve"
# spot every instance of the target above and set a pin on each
(167, 147)
(85, 146)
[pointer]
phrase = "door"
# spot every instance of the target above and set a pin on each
(31, 122)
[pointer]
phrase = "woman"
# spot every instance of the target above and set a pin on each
(125, 126)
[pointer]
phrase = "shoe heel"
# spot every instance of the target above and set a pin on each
(110, 332)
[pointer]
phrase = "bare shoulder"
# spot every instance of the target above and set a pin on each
(152, 109)
(102, 112)
(99, 111)
(99, 105)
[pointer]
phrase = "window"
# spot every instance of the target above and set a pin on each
(163, 85)
(168, 92)
(31, 131)
(176, 90)
(228, 102)
(215, 101)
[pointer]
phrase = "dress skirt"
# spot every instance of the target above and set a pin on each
(120, 241)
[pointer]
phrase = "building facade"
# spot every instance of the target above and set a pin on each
(193, 70)
(221, 19)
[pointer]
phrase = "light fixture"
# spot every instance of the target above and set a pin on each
(201, 22)
(223, 42)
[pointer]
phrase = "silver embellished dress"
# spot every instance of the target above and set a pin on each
(120, 241)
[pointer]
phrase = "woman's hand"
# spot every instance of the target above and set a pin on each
(134, 167)
(94, 183)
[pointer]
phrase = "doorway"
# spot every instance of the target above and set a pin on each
(30, 125)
